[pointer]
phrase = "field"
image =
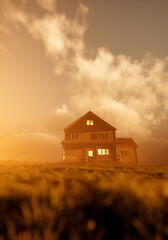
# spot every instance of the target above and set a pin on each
(52, 201)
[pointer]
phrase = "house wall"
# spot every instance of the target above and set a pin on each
(72, 152)
(73, 155)
(81, 126)
(128, 154)
(92, 133)
(85, 136)
(91, 136)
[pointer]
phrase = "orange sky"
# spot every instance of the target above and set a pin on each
(60, 59)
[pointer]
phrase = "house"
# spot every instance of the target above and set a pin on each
(91, 139)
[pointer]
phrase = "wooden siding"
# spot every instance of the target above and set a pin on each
(81, 138)
(80, 152)
(99, 136)
(127, 154)
(74, 155)
(99, 125)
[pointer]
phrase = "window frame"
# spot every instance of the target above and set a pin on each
(89, 122)
(103, 151)
(90, 151)
(75, 136)
(124, 152)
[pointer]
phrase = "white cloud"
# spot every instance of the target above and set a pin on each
(62, 37)
(49, 30)
(47, 4)
(131, 94)
(62, 110)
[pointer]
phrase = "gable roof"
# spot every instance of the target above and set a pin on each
(126, 141)
(83, 116)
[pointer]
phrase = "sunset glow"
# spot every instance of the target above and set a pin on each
(61, 59)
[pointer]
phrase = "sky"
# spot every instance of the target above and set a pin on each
(62, 58)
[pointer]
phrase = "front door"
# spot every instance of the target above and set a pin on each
(90, 154)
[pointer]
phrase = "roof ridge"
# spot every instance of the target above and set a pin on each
(84, 116)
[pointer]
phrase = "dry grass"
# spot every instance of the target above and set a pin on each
(53, 201)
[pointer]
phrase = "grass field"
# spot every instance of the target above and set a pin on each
(52, 201)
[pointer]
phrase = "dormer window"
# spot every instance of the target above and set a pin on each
(89, 122)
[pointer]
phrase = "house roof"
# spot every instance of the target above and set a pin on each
(125, 141)
(90, 114)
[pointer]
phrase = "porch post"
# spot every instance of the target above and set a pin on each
(96, 154)
(85, 154)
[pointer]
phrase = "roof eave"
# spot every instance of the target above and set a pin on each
(66, 128)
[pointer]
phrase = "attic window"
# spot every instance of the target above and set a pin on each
(89, 122)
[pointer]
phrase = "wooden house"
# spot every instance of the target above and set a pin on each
(90, 138)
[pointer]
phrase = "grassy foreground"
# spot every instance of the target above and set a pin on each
(50, 201)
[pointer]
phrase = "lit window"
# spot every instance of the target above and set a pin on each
(103, 151)
(107, 151)
(90, 153)
(99, 151)
(89, 122)
(63, 154)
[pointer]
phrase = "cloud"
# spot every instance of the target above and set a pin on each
(62, 37)
(49, 30)
(63, 110)
(130, 94)
(57, 120)
(12, 13)
(47, 4)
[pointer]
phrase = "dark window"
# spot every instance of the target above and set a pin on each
(106, 136)
(74, 136)
(99, 135)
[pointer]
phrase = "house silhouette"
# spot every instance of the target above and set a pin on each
(91, 139)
